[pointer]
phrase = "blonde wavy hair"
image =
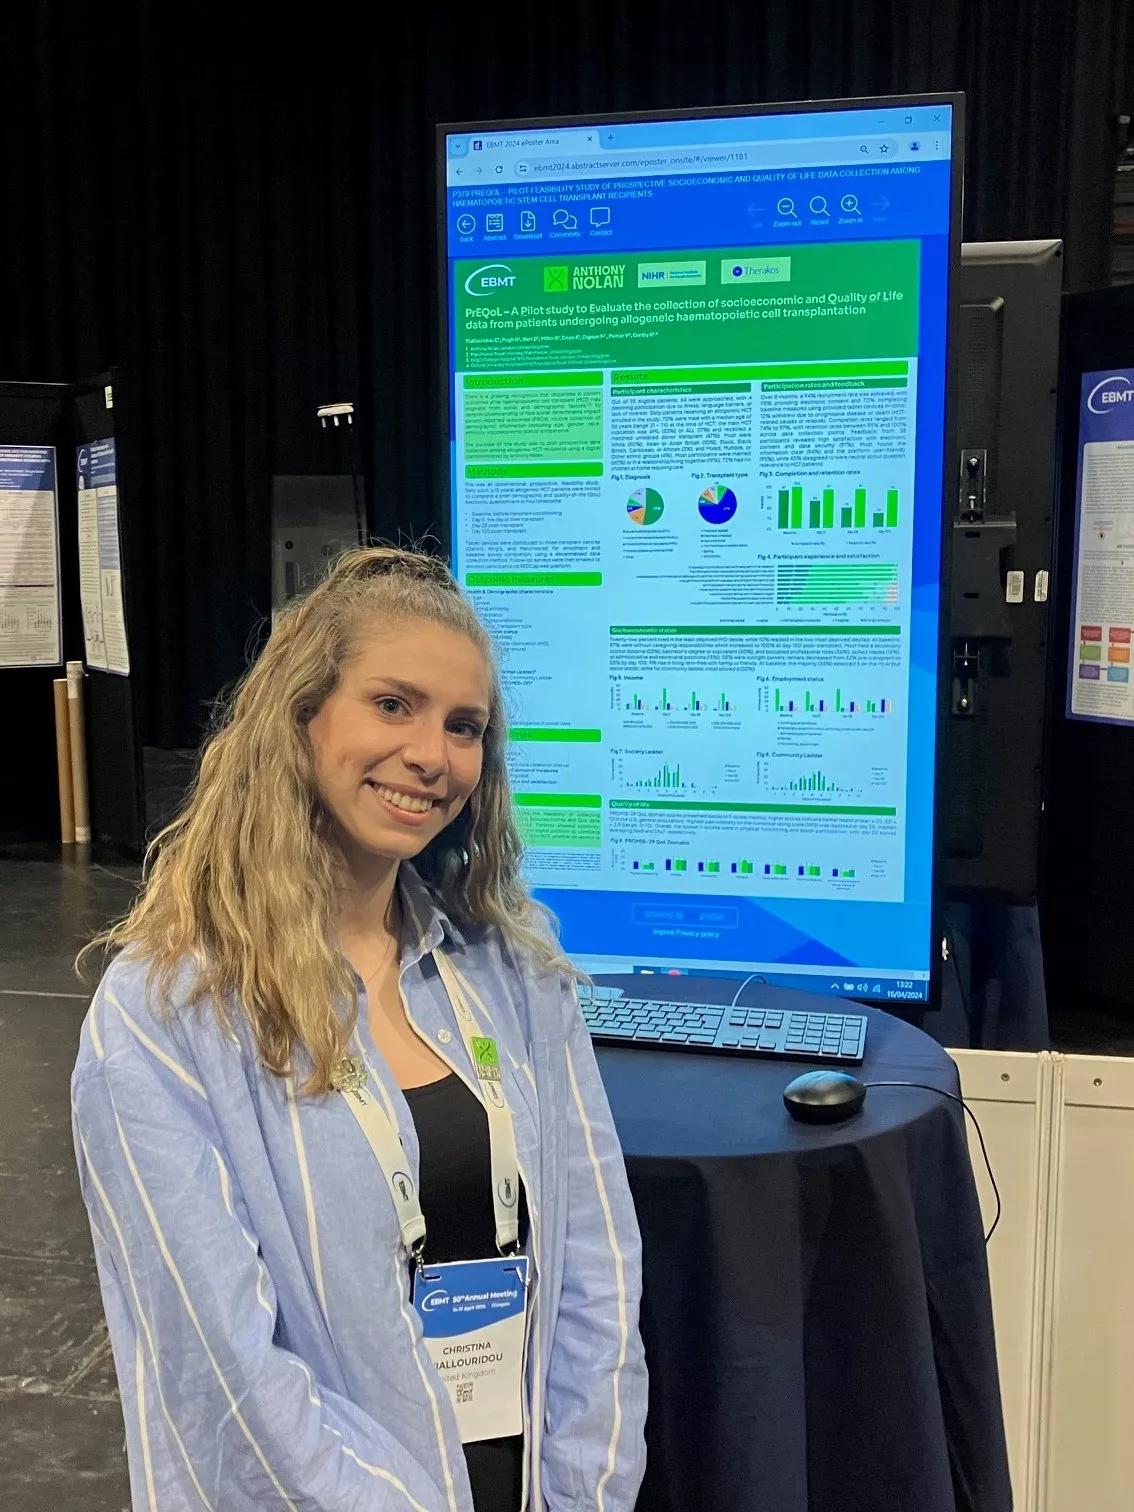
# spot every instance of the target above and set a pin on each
(244, 884)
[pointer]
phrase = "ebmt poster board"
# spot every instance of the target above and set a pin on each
(1099, 685)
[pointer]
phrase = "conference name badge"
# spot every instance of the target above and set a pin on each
(472, 1316)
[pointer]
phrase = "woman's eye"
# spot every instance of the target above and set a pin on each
(388, 704)
(468, 729)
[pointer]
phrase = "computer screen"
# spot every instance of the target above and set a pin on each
(696, 382)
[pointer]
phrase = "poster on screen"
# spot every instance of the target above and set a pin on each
(1099, 685)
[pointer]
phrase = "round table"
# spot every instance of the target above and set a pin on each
(816, 1308)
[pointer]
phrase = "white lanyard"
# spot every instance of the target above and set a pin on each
(382, 1134)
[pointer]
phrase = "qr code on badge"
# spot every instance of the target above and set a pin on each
(464, 1391)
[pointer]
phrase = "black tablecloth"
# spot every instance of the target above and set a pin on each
(816, 1310)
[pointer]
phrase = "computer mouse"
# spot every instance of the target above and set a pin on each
(824, 1097)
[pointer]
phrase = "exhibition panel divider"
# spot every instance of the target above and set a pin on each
(1060, 1136)
(1087, 1448)
(65, 586)
(1011, 1094)
(1088, 943)
(102, 455)
(38, 576)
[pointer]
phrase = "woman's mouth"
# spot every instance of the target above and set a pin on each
(408, 807)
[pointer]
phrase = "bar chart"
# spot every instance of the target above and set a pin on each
(826, 508)
(781, 700)
(689, 866)
(814, 782)
(667, 700)
(813, 584)
(666, 779)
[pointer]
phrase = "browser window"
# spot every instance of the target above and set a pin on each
(696, 375)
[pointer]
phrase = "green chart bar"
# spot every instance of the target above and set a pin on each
(814, 783)
(838, 700)
(783, 509)
(878, 518)
(828, 508)
(891, 506)
(860, 508)
(846, 515)
(813, 514)
(797, 507)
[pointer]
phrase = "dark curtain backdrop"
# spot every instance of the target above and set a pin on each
(237, 209)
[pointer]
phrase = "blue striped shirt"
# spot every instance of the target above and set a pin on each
(266, 1346)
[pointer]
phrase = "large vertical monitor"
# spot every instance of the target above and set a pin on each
(696, 385)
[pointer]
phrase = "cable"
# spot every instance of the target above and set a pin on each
(952, 1096)
(755, 977)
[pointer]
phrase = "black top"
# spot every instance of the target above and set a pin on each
(455, 1186)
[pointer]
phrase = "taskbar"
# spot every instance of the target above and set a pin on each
(878, 987)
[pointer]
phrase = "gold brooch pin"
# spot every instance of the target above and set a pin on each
(350, 1076)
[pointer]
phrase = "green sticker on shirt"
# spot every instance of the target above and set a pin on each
(487, 1058)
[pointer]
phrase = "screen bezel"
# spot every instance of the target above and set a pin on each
(948, 462)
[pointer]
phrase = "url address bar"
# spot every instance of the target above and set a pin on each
(736, 155)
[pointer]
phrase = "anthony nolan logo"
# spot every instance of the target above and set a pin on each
(564, 279)
(1116, 390)
(490, 279)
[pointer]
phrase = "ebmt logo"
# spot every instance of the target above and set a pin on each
(482, 282)
(433, 1300)
(1111, 391)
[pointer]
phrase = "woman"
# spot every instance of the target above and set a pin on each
(294, 1007)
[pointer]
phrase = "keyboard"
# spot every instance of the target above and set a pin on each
(778, 1034)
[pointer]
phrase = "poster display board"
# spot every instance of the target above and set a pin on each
(1102, 616)
(100, 559)
(29, 558)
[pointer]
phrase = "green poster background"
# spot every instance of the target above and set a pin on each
(847, 301)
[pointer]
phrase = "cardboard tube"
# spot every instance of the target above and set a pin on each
(63, 760)
(78, 752)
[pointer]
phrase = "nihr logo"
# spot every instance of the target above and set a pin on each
(482, 282)
(1111, 391)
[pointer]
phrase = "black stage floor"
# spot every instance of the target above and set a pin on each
(61, 1437)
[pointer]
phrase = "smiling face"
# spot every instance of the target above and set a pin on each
(399, 743)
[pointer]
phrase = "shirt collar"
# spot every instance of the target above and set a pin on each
(426, 923)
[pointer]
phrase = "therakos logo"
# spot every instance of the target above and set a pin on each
(489, 279)
(1116, 389)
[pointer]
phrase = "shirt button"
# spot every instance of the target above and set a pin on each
(444, 1036)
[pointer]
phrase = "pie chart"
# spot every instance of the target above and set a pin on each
(645, 506)
(717, 504)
